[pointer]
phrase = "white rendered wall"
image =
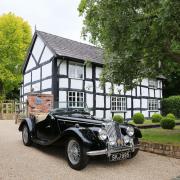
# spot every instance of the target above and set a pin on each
(89, 100)
(63, 68)
(89, 71)
(99, 101)
(31, 64)
(36, 87)
(99, 113)
(98, 87)
(76, 84)
(62, 96)
(47, 70)
(46, 56)
(63, 83)
(36, 75)
(98, 72)
(46, 84)
(89, 86)
(27, 78)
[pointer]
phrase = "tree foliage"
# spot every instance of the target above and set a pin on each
(140, 38)
(15, 36)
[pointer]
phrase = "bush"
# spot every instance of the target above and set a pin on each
(171, 105)
(118, 118)
(138, 118)
(171, 116)
(156, 118)
(167, 123)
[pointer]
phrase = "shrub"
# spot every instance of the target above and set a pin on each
(156, 118)
(171, 116)
(138, 118)
(118, 118)
(171, 105)
(167, 123)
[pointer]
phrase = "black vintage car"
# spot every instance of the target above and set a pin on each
(82, 134)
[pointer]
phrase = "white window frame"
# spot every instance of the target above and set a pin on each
(153, 83)
(153, 104)
(78, 101)
(76, 67)
(118, 104)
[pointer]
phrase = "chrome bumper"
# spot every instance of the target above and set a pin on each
(110, 151)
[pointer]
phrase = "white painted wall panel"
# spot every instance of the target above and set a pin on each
(98, 72)
(108, 87)
(138, 91)
(89, 100)
(136, 103)
(157, 93)
(76, 84)
(89, 71)
(145, 113)
(99, 113)
(38, 47)
(63, 82)
(144, 91)
(108, 114)
(98, 87)
(31, 64)
(89, 86)
(46, 56)
(27, 78)
(144, 82)
(36, 75)
(36, 87)
(27, 89)
(144, 103)
(108, 101)
(128, 114)
(46, 84)
(47, 70)
(151, 92)
(62, 96)
(99, 101)
(134, 92)
(128, 102)
(63, 68)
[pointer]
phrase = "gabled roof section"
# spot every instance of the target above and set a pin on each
(73, 49)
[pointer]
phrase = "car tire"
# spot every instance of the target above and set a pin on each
(26, 136)
(79, 160)
(133, 154)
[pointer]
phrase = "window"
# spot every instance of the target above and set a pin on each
(153, 83)
(152, 104)
(76, 71)
(118, 104)
(76, 99)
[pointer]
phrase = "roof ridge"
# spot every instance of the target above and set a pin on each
(93, 46)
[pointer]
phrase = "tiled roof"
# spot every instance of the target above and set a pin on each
(69, 48)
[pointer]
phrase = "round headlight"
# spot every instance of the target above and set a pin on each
(130, 131)
(102, 134)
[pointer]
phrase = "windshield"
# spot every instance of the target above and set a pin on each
(76, 107)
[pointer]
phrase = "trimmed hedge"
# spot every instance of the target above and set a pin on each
(156, 118)
(171, 105)
(118, 118)
(170, 115)
(138, 118)
(167, 123)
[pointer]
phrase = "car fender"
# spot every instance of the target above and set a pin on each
(30, 123)
(137, 132)
(78, 133)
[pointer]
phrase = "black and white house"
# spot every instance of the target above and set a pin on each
(56, 65)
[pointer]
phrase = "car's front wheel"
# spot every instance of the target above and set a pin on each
(26, 136)
(76, 154)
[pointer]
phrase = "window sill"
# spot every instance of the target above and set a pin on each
(119, 111)
(153, 110)
(76, 78)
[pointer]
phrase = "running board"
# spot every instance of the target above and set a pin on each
(45, 142)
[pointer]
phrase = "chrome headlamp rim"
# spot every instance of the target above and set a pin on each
(102, 134)
(130, 131)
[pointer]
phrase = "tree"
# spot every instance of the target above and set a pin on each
(15, 36)
(140, 38)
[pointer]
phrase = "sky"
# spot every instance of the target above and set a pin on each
(59, 17)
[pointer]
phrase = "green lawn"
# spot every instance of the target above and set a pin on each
(147, 122)
(163, 136)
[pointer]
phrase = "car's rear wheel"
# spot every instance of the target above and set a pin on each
(26, 136)
(76, 154)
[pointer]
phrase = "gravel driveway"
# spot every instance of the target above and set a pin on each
(19, 162)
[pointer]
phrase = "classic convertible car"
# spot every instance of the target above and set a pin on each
(82, 134)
